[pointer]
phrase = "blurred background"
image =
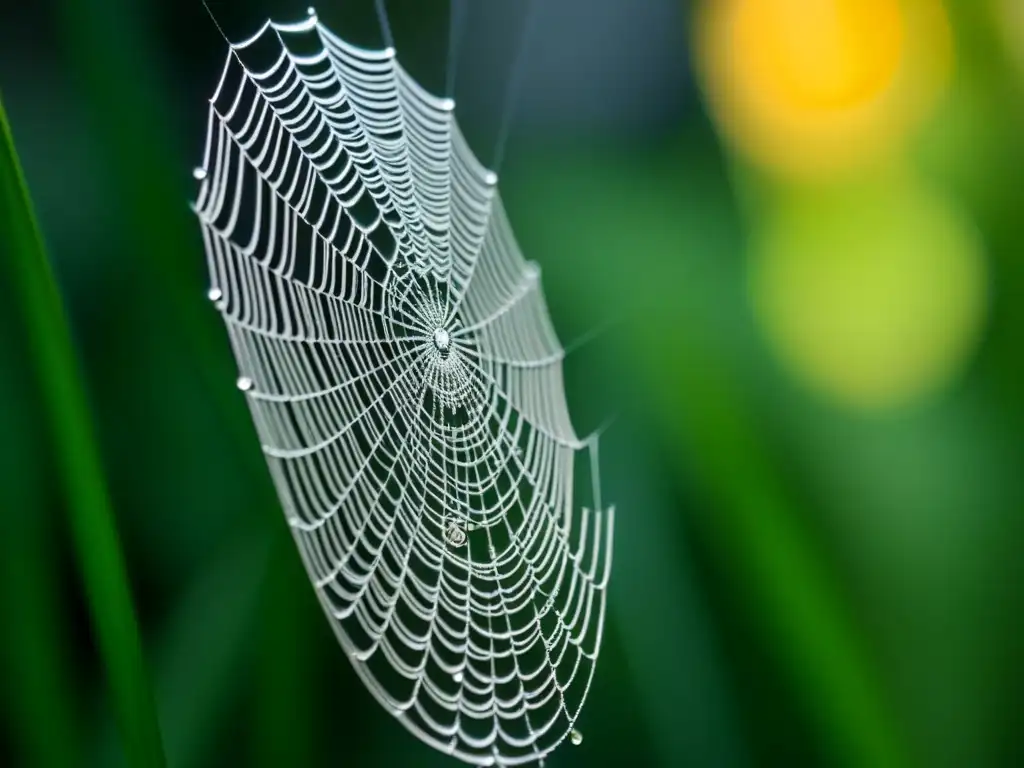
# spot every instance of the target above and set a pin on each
(802, 218)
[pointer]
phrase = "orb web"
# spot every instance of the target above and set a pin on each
(405, 381)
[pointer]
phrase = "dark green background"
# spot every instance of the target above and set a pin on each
(794, 585)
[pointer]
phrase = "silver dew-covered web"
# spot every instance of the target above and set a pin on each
(405, 381)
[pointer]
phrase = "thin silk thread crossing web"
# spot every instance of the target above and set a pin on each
(405, 381)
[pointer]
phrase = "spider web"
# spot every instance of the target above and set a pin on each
(405, 381)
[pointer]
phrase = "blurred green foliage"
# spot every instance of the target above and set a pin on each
(795, 583)
(90, 517)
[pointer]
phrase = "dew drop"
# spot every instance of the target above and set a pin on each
(389, 53)
(311, 11)
(532, 270)
(457, 677)
(214, 294)
(448, 105)
(490, 178)
(199, 173)
(244, 383)
(576, 737)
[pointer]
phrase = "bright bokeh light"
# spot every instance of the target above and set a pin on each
(874, 297)
(820, 56)
(811, 86)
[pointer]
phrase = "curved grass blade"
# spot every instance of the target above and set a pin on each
(35, 673)
(91, 519)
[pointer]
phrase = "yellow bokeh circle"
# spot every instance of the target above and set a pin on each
(818, 56)
(811, 86)
(873, 296)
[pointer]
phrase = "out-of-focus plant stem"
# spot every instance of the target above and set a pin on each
(286, 669)
(92, 524)
(117, 74)
(755, 532)
(36, 677)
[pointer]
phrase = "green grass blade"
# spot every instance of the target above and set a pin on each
(35, 669)
(35, 676)
(91, 519)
